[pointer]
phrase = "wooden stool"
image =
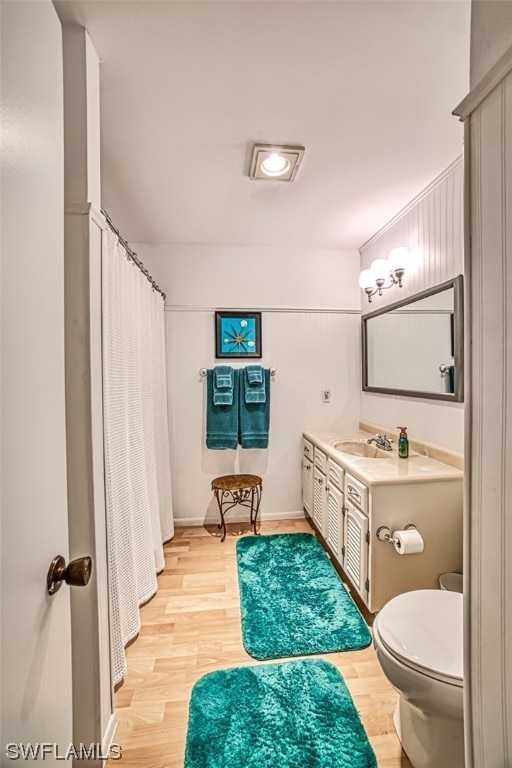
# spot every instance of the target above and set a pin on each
(231, 490)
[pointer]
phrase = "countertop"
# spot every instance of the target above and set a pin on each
(418, 468)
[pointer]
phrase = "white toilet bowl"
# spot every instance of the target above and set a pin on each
(418, 639)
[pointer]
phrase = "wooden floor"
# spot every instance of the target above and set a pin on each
(191, 627)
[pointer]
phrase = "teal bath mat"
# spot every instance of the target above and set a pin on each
(298, 714)
(293, 603)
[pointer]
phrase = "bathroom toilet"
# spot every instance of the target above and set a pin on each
(418, 639)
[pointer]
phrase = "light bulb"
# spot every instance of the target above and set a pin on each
(398, 257)
(380, 269)
(366, 279)
(275, 165)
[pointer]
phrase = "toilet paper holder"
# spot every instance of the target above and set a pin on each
(384, 533)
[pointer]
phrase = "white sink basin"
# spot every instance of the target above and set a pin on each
(361, 448)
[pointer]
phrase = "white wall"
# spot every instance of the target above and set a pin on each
(310, 333)
(491, 34)
(488, 523)
(432, 226)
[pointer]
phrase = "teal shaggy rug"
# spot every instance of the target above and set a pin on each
(293, 603)
(298, 714)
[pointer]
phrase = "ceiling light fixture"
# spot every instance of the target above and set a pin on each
(274, 162)
(275, 165)
(393, 268)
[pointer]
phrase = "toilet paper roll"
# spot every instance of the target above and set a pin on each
(408, 542)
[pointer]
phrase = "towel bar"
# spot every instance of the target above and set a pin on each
(202, 372)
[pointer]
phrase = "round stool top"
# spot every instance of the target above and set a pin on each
(234, 482)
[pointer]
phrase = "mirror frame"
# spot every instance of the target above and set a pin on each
(458, 342)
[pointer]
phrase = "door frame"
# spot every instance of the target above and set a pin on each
(93, 695)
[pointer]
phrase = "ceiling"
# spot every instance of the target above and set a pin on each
(188, 87)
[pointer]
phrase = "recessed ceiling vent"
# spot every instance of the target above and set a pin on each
(273, 162)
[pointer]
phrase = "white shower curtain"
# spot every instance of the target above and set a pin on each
(137, 471)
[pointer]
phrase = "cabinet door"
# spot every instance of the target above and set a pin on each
(307, 449)
(335, 519)
(335, 474)
(319, 499)
(320, 460)
(307, 485)
(355, 563)
(356, 492)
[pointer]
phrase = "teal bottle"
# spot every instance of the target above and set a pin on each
(403, 443)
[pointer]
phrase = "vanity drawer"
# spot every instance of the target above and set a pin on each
(320, 460)
(357, 492)
(335, 474)
(307, 449)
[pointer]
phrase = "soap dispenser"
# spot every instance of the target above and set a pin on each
(403, 443)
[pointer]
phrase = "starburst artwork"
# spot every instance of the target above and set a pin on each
(238, 334)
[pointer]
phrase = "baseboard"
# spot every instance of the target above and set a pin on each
(236, 517)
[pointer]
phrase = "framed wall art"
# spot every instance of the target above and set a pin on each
(237, 334)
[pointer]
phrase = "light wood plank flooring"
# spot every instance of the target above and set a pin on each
(191, 627)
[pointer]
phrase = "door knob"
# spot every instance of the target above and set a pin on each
(77, 573)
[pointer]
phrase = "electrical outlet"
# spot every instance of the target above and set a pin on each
(326, 395)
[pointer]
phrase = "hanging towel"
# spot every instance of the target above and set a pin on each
(254, 416)
(223, 376)
(221, 420)
(255, 388)
(254, 374)
(223, 385)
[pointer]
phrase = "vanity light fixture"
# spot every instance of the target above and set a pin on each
(373, 280)
(275, 162)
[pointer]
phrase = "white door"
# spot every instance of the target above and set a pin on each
(36, 630)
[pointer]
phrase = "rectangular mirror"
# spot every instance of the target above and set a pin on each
(415, 347)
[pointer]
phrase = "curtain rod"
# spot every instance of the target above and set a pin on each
(132, 255)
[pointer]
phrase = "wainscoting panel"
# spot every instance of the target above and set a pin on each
(489, 628)
(431, 226)
(311, 351)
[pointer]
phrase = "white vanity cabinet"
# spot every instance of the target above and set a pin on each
(356, 535)
(307, 477)
(352, 499)
(320, 491)
(319, 501)
(335, 509)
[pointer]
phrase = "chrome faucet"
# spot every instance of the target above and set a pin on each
(381, 441)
